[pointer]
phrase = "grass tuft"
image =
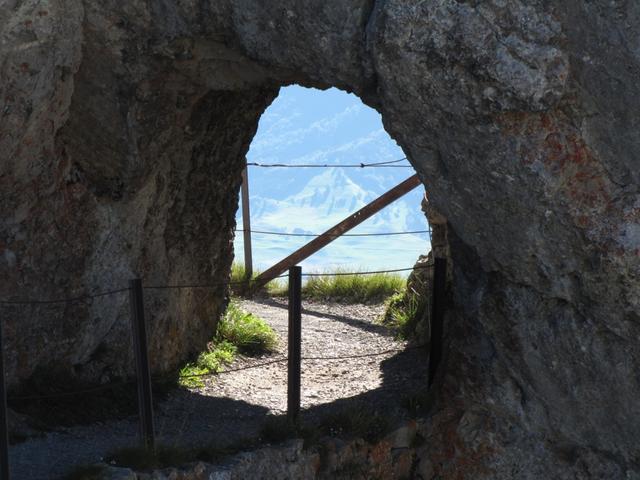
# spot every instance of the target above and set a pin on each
(402, 314)
(248, 332)
(238, 331)
(213, 360)
(353, 288)
(275, 288)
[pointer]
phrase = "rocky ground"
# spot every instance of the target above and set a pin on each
(233, 406)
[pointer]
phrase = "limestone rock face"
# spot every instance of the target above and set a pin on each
(123, 127)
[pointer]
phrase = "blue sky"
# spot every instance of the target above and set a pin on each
(309, 126)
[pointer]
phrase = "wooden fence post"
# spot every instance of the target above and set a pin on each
(143, 375)
(4, 427)
(246, 226)
(295, 344)
(437, 316)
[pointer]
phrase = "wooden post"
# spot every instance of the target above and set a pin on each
(330, 235)
(143, 375)
(437, 316)
(295, 345)
(4, 424)
(246, 226)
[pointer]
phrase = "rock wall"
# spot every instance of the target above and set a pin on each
(122, 134)
(399, 455)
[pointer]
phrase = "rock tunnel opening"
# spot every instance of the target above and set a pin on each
(319, 138)
(124, 131)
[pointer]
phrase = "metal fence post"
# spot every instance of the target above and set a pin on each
(295, 344)
(143, 375)
(4, 427)
(437, 316)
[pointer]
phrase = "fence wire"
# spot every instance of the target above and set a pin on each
(167, 378)
(387, 164)
(381, 234)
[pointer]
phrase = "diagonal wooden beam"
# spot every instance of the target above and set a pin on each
(336, 231)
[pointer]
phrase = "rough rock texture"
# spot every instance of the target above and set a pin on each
(397, 456)
(122, 131)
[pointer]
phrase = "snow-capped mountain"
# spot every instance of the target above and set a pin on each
(328, 198)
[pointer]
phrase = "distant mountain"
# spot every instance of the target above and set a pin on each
(328, 198)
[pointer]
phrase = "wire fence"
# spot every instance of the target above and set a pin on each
(379, 234)
(145, 402)
(214, 285)
(386, 164)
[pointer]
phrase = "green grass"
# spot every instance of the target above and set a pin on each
(213, 360)
(248, 332)
(275, 288)
(372, 288)
(353, 288)
(402, 314)
(238, 332)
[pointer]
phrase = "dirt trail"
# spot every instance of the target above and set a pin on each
(233, 406)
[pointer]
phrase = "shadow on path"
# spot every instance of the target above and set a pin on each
(352, 322)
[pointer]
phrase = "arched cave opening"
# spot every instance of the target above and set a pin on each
(123, 136)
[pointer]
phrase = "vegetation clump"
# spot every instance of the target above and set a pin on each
(249, 333)
(238, 332)
(402, 314)
(240, 285)
(341, 287)
(407, 312)
(336, 285)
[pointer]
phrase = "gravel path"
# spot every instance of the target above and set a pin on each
(233, 406)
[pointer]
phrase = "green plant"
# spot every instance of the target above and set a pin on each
(402, 313)
(213, 360)
(238, 331)
(353, 288)
(248, 332)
